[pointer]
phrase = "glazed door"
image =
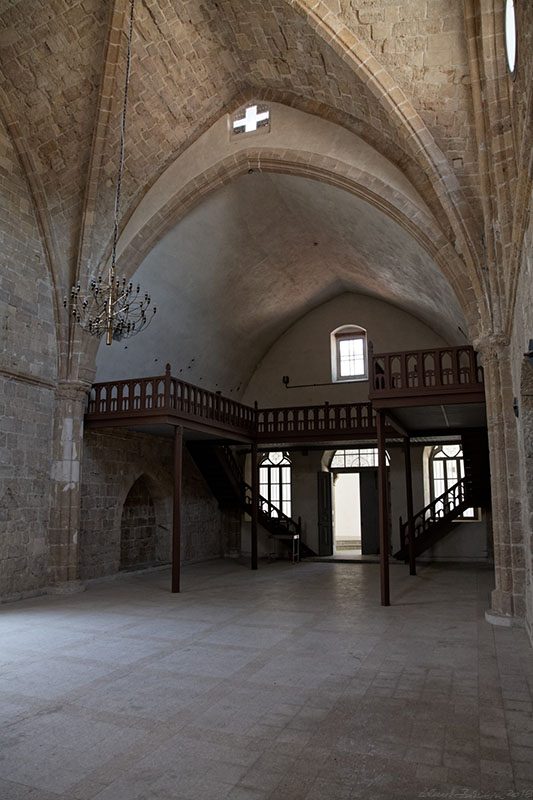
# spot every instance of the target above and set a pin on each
(369, 511)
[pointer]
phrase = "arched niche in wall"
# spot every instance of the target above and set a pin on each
(141, 539)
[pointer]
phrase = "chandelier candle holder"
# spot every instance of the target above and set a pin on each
(113, 306)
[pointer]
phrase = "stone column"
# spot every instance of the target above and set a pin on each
(507, 599)
(525, 427)
(65, 497)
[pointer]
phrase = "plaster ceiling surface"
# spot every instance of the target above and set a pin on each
(254, 257)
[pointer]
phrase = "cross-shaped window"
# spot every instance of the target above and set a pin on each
(251, 118)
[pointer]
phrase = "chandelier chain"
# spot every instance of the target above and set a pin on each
(113, 307)
(122, 139)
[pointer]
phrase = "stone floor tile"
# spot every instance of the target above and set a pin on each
(63, 748)
(85, 790)
(284, 693)
(51, 678)
(500, 755)
(521, 754)
(17, 791)
(431, 774)
(423, 755)
(496, 768)
(242, 793)
(524, 770)
(460, 761)
(146, 694)
(524, 787)
(322, 789)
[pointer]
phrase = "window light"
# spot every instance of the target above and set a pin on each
(510, 34)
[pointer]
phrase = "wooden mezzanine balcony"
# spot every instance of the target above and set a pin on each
(416, 378)
(426, 377)
(164, 400)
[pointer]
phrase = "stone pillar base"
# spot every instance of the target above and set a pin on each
(501, 603)
(68, 587)
(503, 620)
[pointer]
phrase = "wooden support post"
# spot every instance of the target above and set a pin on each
(383, 511)
(176, 512)
(409, 494)
(255, 504)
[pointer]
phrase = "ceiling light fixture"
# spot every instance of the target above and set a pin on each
(113, 306)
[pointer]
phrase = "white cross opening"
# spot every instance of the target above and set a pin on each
(251, 119)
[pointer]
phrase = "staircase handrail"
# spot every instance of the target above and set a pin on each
(430, 514)
(292, 527)
(231, 463)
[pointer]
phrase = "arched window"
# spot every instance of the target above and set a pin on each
(510, 35)
(348, 353)
(275, 481)
(446, 468)
(356, 459)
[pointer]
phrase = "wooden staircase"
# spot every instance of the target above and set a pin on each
(435, 520)
(221, 472)
(224, 477)
(279, 525)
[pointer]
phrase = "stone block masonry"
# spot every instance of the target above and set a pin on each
(28, 372)
(25, 461)
(113, 462)
(138, 529)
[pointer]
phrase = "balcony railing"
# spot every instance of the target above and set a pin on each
(439, 371)
(311, 421)
(451, 371)
(165, 395)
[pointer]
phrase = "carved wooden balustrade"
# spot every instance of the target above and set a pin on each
(158, 398)
(316, 422)
(153, 399)
(395, 379)
(444, 371)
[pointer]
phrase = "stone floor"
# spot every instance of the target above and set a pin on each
(290, 683)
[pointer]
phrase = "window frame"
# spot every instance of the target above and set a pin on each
(342, 334)
(359, 454)
(281, 503)
(448, 482)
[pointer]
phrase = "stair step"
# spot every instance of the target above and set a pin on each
(347, 544)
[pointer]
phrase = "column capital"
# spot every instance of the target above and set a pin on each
(491, 347)
(73, 390)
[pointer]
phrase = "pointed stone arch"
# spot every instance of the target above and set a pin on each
(421, 226)
(419, 140)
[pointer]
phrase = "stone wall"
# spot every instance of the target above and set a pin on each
(523, 390)
(138, 530)
(25, 436)
(521, 268)
(27, 380)
(112, 462)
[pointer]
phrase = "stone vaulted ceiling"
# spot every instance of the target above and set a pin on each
(253, 258)
(61, 74)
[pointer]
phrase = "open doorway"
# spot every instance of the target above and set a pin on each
(355, 501)
(346, 513)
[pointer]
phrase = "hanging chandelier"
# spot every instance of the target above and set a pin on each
(113, 306)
